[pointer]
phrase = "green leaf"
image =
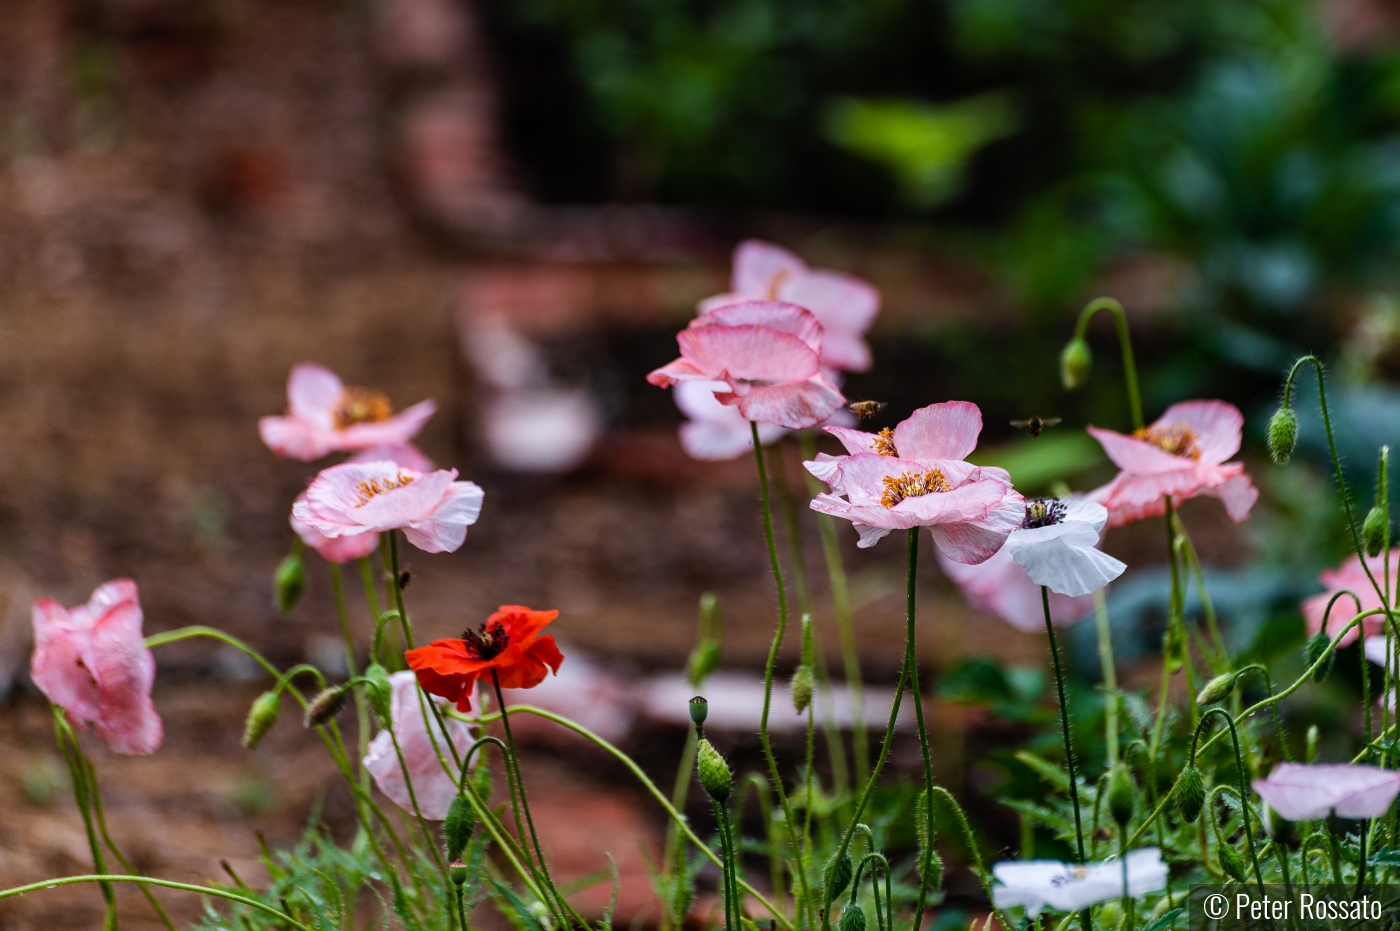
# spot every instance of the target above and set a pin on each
(1165, 921)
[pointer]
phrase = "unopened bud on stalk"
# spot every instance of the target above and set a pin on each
(325, 706)
(288, 582)
(380, 693)
(1217, 689)
(1122, 794)
(458, 871)
(1075, 362)
(1310, 753)
(715, 775)
(458, 827)
(838, 876)
(704, 660)
(1373, 531)
(1189, 793)
(1283, 434)
(261, 716)
(801, 688)
(852, 918)
(1232, 862)
(1317, 645)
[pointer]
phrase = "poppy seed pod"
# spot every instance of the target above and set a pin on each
(838, 876)
(1283, 434)
(1373, 531)
(458, 871)
(1075, 362)
(852, 918)
(801, 688)
(325, 706)
(699, 711)
(288, 582)
(1217, 689)
(457, 828)
(1189, 793)
(1232, 862)
(1122, 794)
(261, 716)
(380, 692)
(715, 775)
(1317, 645)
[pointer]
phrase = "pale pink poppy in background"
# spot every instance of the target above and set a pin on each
(715, 431)
(1311, 791)
(338, 550)
(1001, 586)
(1350, 576)
(433, 786)
(845, 305)
(325, 416)
(1182, 454)
(914, 476)
(431, 508)
(405, 455)
(767, 354)
(92, 661)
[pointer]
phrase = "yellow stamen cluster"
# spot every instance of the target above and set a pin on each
(1177, 439)
(913, 485)
(361, 405)
(371, 487)
(884, 443)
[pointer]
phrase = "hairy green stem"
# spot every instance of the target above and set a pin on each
(1125, 344)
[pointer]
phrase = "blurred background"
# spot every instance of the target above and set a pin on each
(511, 207)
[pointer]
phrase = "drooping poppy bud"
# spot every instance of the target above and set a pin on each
(715, 774)
(380, 692)
(325, 706)
(1122, 794)
(1373, 531)
(1075, 362)
(852, 918)
(1317, 645)
(838, 876)
(1189, 793)
(801, 688)
(1217, 689)
(1283, 434)
(1232, 862)
(457, 829)
(261, 716)
(288, 582)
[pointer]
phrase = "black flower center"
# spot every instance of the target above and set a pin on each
(1043, 512)
(486, 643)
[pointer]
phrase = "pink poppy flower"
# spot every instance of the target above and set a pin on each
(845, 305)
(433, 786)
(431, 508)
(767, 353)
(1182, 455)
(714, 432)
(405, 455)
(325, 416)
(1001, 586)
(915, 476)
(1350, 576)
(338, 550)
(92, 662)
(1312, 791)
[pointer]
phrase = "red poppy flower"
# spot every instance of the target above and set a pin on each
(509, 643)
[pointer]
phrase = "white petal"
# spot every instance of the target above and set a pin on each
(869, 535)
(1068, 564)
(1090, 512)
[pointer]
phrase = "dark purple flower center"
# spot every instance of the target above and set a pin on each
(1043, 512)
(487, 642)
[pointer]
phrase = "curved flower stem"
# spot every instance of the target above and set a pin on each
(916, 695)
(352, 670)
(974, 850)
(841, 603)
(397, 589)
(199, 630)
(788, 820)
(1125, 343)
(73, 756)
(1244, 783)
(1084, 916)
(1278, 721)
(282, 917)
(765, 809)
(101, 818)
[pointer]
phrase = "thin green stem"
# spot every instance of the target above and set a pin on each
(352, 670)
(917, 697)
(169, 884)
(73, 755)
(1125, 344)
(1084, 916)
(1244, 785)
(1110, 676)
(96, 796)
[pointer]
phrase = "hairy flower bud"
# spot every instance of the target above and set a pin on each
(1283, 434)
(838, 876)
(380, 693)
(288, 582)
(1122, 794)
(325, 706)
(1373, 531)
(1232, 862)
(852, 918)
(261, 716)
(1317, 645)
(715, 774)
(1075, 362)
(458, 826)
(801, 688)
(704, 660)
(1217, 689)
(1189, 793)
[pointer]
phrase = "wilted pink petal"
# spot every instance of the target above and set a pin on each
(325, 416)
(93, 662)
(1349, 576)
(1002, 587)
(433, 785)
(1312, 791)
(353, 498)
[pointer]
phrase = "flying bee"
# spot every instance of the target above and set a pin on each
(864, 410)
(1035, 424)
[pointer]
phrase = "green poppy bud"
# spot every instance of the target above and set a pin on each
(931, 867)
(458, 827)
(1317, 645)
(1373, 531)
(715, 774)
(325, 706)
(801, 688)
(380, 692)
(1075, 362)
(1283, 434)
(1122, 794)
(1217, 689)
(704, 660)
(1189, 793)
(288, 582)
(852, 918)
(1232, 862)
(261, 716)
(838, 876)
(1311, 747)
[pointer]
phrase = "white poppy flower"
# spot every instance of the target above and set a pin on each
(1058, 545)
(1310, 791)
(1034, 884)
